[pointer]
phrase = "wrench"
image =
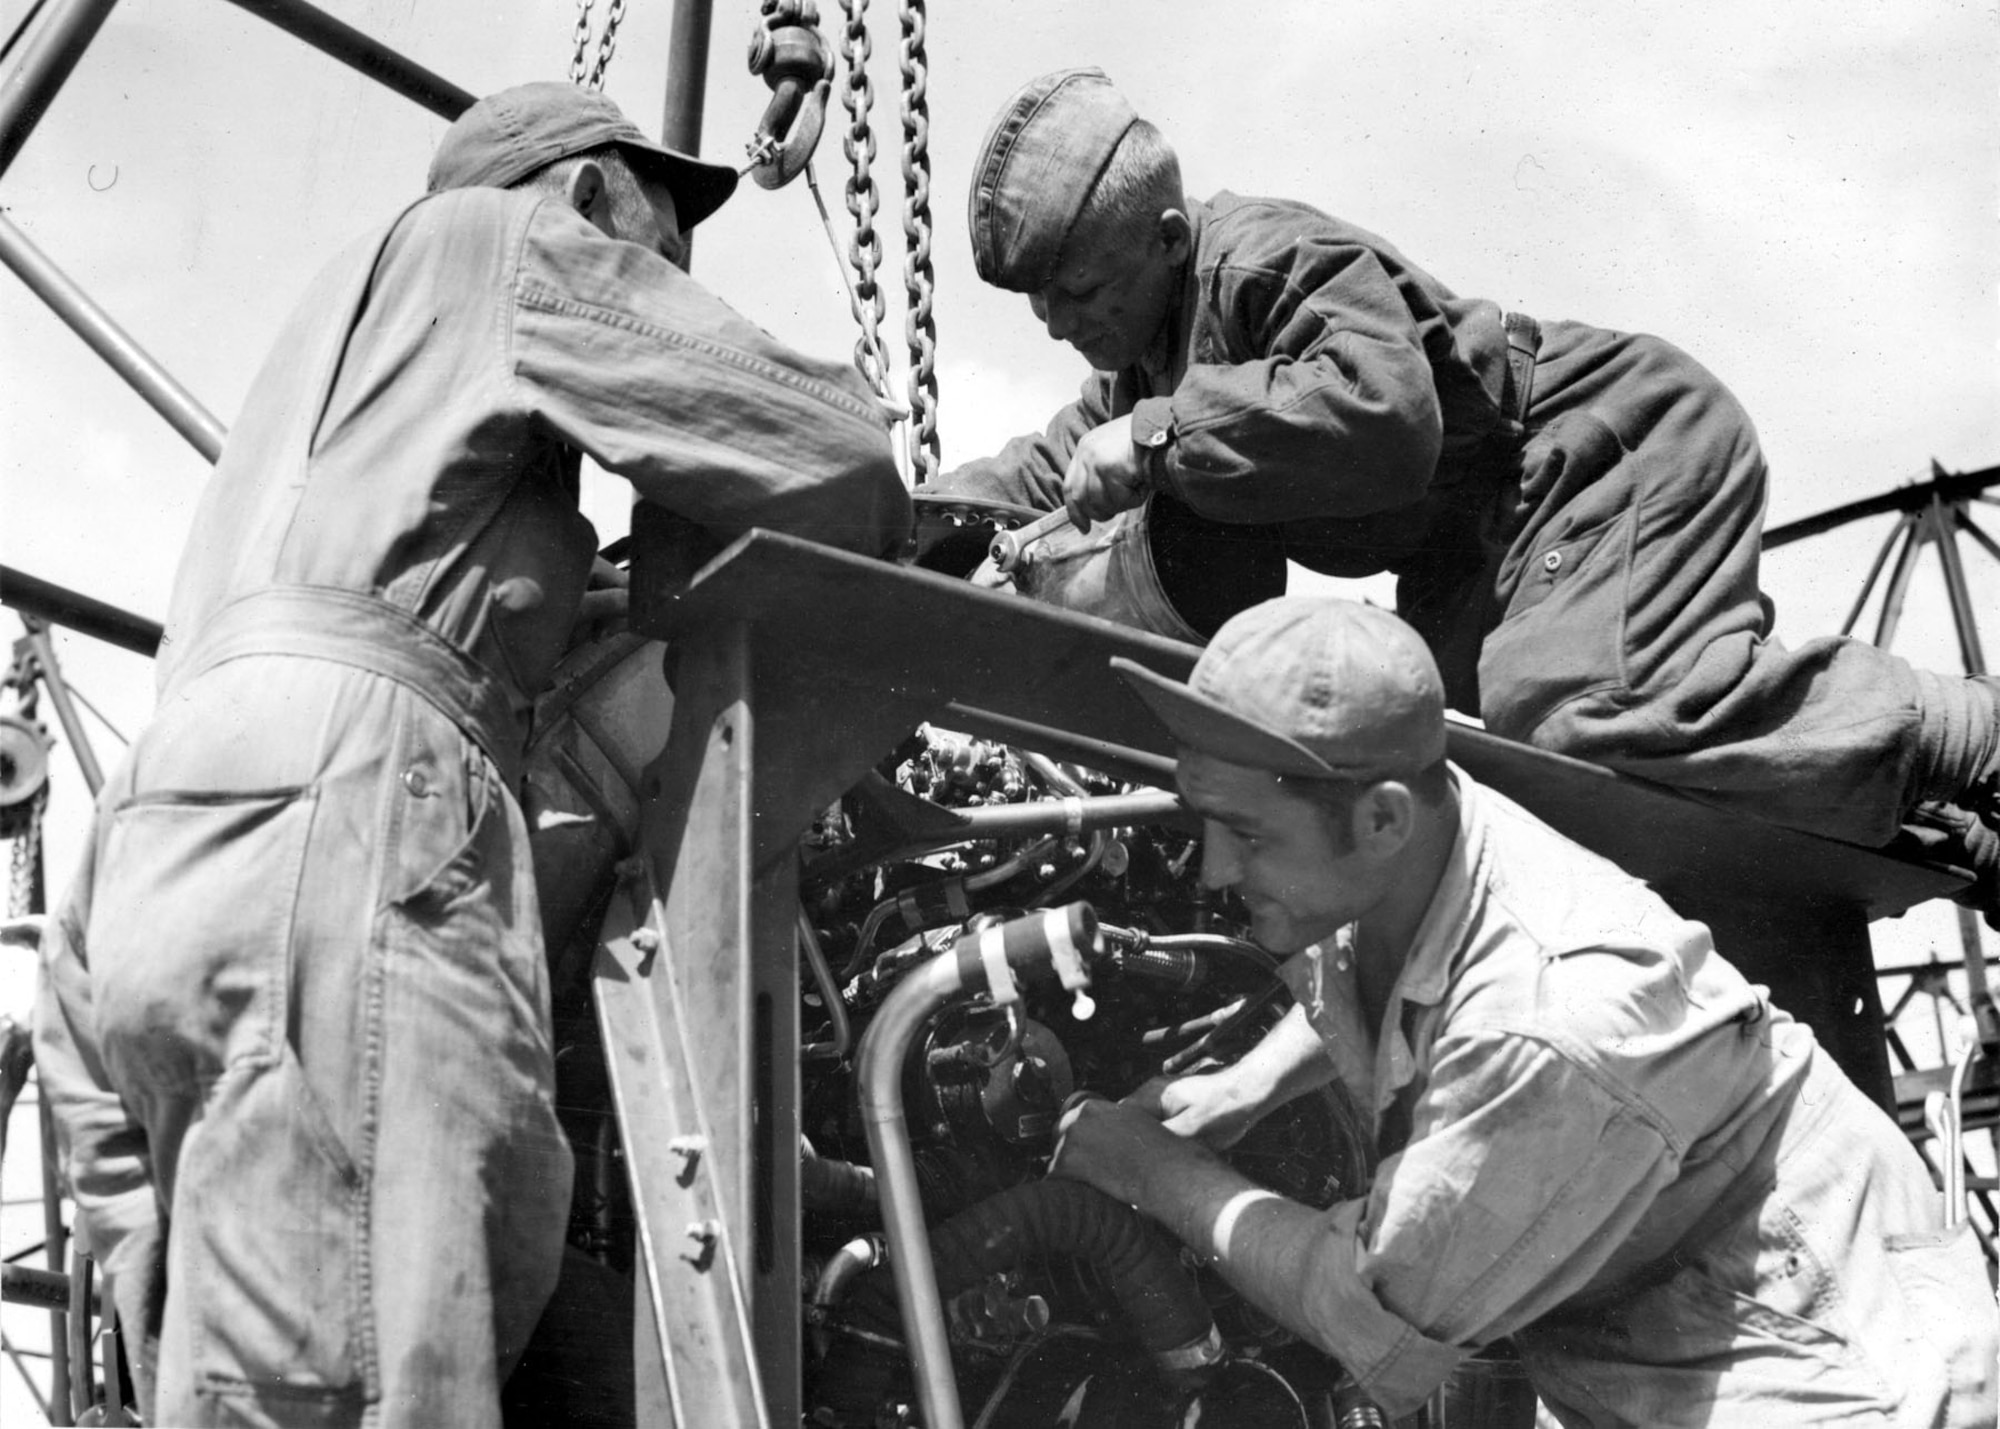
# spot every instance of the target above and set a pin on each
(1009, 546)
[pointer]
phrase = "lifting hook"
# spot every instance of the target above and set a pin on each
(786, 49)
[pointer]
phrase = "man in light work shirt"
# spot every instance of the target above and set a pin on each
(1596, 1138)
(295, 1018)
(1574, 515)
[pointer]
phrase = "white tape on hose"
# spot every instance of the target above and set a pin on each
(999, 977)
(1063, 950)
(1072, 814)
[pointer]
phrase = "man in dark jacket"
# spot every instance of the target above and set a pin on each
(1574, 515)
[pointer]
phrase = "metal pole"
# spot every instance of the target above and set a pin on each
(79, 741)
(687, 75)
(87, 616)
(110, 342)
(51, 54)
(373, 58)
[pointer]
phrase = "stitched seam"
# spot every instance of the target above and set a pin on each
(532, 294)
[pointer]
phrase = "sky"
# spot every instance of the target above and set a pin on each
(1804, 198)
(1801, 193)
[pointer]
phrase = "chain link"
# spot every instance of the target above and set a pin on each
(608, 45)
(581, 70)
(918, 280)
(24, 891)
(579, 64)
(864, 250)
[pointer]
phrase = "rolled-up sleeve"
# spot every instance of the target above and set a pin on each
(1326, 406)
(1523, 1176)
(633, 362)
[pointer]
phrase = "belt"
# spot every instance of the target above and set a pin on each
(1524, 341)
(348, 627)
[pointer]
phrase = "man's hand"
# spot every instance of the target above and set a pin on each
(1106, 475)
(1119, 1148)
(1215, 1108)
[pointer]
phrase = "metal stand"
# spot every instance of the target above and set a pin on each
(1934, 513)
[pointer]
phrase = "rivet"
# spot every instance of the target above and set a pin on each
(1552, 562)
(417, 782)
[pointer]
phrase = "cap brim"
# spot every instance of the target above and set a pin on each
(1199, 723)
(699, 189)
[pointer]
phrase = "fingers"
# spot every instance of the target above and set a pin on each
(1148, 1098)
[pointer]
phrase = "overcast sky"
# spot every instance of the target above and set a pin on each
(1801, 193)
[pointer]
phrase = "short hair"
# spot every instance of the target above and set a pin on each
(621, 183)
(1335, 798)
(1141, 181)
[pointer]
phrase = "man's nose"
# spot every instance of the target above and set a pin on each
(1057, 316)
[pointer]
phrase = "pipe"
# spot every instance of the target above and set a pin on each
(1040, 940)
(687, 89)
(141, 371)
(863, 1253)
(31, 86)
(58, 688)
(84, 614)
(359, 51)
(829, 991)
(883, 1049)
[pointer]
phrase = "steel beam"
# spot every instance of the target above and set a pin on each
(359, 51)
(52, 52)
(111, 342)
(84, 614)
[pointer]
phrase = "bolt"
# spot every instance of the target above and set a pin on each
(646, 940)
(689, 1149)
(702, 1235)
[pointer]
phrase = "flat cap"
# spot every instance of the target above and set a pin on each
(1042, 156)
(507, 136)
(1307, 686)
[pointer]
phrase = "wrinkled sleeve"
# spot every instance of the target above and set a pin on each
(1522, 1178)
(1029, 470)
(632, 361)
(1324, 406)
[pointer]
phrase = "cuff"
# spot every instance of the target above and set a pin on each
(1153, 436)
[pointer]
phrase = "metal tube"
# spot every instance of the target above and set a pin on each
(51, 54)
(884, 1047)
(358, 51)
(79, 740)
(58, 605)
(829, 991)
(110, 342)
(1944, 522)
(687, 75)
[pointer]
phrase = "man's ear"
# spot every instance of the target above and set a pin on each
(1176, 236)
(586, 191)
(1385, 817)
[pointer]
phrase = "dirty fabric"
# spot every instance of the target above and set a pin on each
(295, 1016)
(1598, 1139)
(1588, 579)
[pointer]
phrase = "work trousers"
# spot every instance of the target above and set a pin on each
(1603, 602)
(1823, 1289)
(295, 1025)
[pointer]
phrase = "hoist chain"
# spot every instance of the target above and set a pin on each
(581, 70)
(918, 326)
(24, 893)
(863, 201)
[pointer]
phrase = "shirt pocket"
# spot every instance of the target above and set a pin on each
(191, 927)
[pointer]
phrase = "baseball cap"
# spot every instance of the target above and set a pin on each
(1308, 686)
(507, 136)
(1041, 157)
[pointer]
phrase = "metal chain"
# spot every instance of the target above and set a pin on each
(24, 887)
(863, 201)
(608, 45)
(581, 70)
(579, 64)
(918, 326)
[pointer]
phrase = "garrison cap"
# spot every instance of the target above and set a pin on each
(1309, 687)
(507, 136)
(1041, 158)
